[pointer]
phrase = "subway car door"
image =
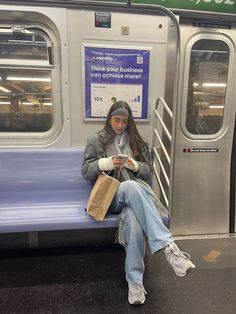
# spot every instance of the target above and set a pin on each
(203, 186)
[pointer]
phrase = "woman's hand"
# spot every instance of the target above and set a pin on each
(118, 162)
(110, 163)
(132, 164)
(106, 164)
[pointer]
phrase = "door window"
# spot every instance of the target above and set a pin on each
(207, 86)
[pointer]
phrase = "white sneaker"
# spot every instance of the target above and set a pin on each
(180, 261)
(136, 294)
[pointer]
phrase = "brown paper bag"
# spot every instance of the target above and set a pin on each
(101, 196)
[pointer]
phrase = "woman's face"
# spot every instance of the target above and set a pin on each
(119, 123)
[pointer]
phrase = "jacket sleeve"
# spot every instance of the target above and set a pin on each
(90, 170)
(145, 171)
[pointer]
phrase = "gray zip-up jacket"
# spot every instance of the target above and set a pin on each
(95, 149)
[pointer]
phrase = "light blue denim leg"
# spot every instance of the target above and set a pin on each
(135, 247)
(131, 194)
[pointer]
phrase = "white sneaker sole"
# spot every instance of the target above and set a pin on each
(187, 272)
(138, 302)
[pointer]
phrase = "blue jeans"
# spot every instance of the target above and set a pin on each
(140, 220)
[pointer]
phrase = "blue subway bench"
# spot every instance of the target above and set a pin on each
(43, 190)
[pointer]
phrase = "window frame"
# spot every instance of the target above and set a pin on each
(52, 65)
(192, 41)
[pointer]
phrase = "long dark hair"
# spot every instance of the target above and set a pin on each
(137, 144)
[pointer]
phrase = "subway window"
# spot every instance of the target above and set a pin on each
(207, 85)
(26, 102)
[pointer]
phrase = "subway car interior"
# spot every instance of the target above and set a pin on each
(62, 65)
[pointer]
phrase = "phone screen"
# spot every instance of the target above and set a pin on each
(122, 157)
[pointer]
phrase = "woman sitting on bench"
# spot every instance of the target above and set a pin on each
(140, 211)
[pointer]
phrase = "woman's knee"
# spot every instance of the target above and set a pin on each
(129, 186)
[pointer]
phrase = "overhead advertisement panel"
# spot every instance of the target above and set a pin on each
(113, 74)
(220, 6)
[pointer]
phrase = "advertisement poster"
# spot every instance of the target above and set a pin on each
(113, 74)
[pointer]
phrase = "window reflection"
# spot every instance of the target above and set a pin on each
(208, 72)
(25, 100)
(23, 46)
(25, 94)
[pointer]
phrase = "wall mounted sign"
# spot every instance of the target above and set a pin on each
(113, 74)
(200, 150)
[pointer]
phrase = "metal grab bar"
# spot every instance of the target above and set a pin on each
(163, 125)
(161, 172)
(161, 165)
(161, 186)
(160, 99)
(162, 146)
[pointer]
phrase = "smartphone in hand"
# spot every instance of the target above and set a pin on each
(122, 157)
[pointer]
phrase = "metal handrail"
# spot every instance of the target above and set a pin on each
(158, 137)
(161, 186)
(162, 146)
(161, 165)
(163, 125)
(160, 99)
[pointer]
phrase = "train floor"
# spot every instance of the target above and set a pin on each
(91, 280)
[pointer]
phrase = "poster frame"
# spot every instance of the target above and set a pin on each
(106, 46)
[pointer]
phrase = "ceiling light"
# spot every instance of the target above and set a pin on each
(216, 106)
(5, 102)
(27, 103)
(30, 79)
(4, 89)
(214, 84)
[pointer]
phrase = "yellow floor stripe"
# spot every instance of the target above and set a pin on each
(211, 256)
